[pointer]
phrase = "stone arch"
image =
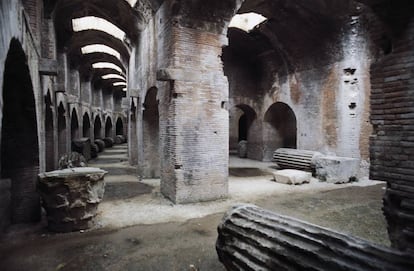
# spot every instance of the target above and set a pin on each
(241, 119)
(74, 125)
(151, 135)
(97, 127)
(62, 137)
(280, 129)
(19, 138)
(86, 127)
(108, 127)
(119, 126)
(49, 134)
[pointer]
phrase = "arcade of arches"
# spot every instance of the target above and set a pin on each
(184, 88)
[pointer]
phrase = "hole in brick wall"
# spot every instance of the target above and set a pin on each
(352, 105)
(386, 45)
(223, 105)
(178, 166)
(349, 71)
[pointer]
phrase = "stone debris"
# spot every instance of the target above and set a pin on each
(292, 176)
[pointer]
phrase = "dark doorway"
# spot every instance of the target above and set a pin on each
(86, 126)
(97, 128)
(119, 127)
(151, 163)
(49, 138)
(108, 127)
(279, 129)
(62, 137)
(74, 125)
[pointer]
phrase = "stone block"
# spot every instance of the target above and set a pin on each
(242, 149)
(109, 142)
(82, 146)
(292, 176)
(94, 150)
(335, 169)
(101, 144)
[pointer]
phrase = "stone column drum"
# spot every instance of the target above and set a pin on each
(71, 197)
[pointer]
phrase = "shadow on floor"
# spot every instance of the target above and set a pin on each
(125, 190)
(247, 172)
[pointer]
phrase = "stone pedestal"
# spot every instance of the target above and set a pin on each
(71, 197)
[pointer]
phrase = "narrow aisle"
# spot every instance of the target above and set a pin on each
(121, 181)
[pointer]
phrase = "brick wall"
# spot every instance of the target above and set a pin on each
(193, 125)
(392, 143)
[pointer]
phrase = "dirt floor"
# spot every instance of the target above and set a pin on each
(182, 237)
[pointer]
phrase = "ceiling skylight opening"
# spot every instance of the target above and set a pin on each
(124, 89)
(106, 65)
(132, 2)
(117, 84)
(99, 24)
(247, 21)
(113, 76)
(100, 48)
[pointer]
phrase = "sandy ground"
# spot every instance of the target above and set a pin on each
(137, 229)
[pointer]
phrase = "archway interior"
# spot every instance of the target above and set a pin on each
(151, 163)
(86, 126)
(119, 127)
(74, 125)
(61, 130)
(19, 140)
(241, 120)
(97, 128)
(279, 129)
(108, 127)
(50, 145)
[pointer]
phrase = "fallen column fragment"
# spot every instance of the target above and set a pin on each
(251, 238)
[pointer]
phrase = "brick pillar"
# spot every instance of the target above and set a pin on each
(194, 121)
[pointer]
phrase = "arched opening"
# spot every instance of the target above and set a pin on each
(119, 127)
(108, 127)
(132, 136)
(97, 128)
(242, 117)
(74, 125)
(151, 161)
(86, 126)
(62, 138)
(50, 142)
(279, 129)
(19, 140)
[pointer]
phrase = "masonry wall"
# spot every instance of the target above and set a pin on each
(329, 96)
(392, 142)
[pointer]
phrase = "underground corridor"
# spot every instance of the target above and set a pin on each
(206, 135)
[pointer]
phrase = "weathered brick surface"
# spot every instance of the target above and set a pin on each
(195, 134)
(392, 144)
